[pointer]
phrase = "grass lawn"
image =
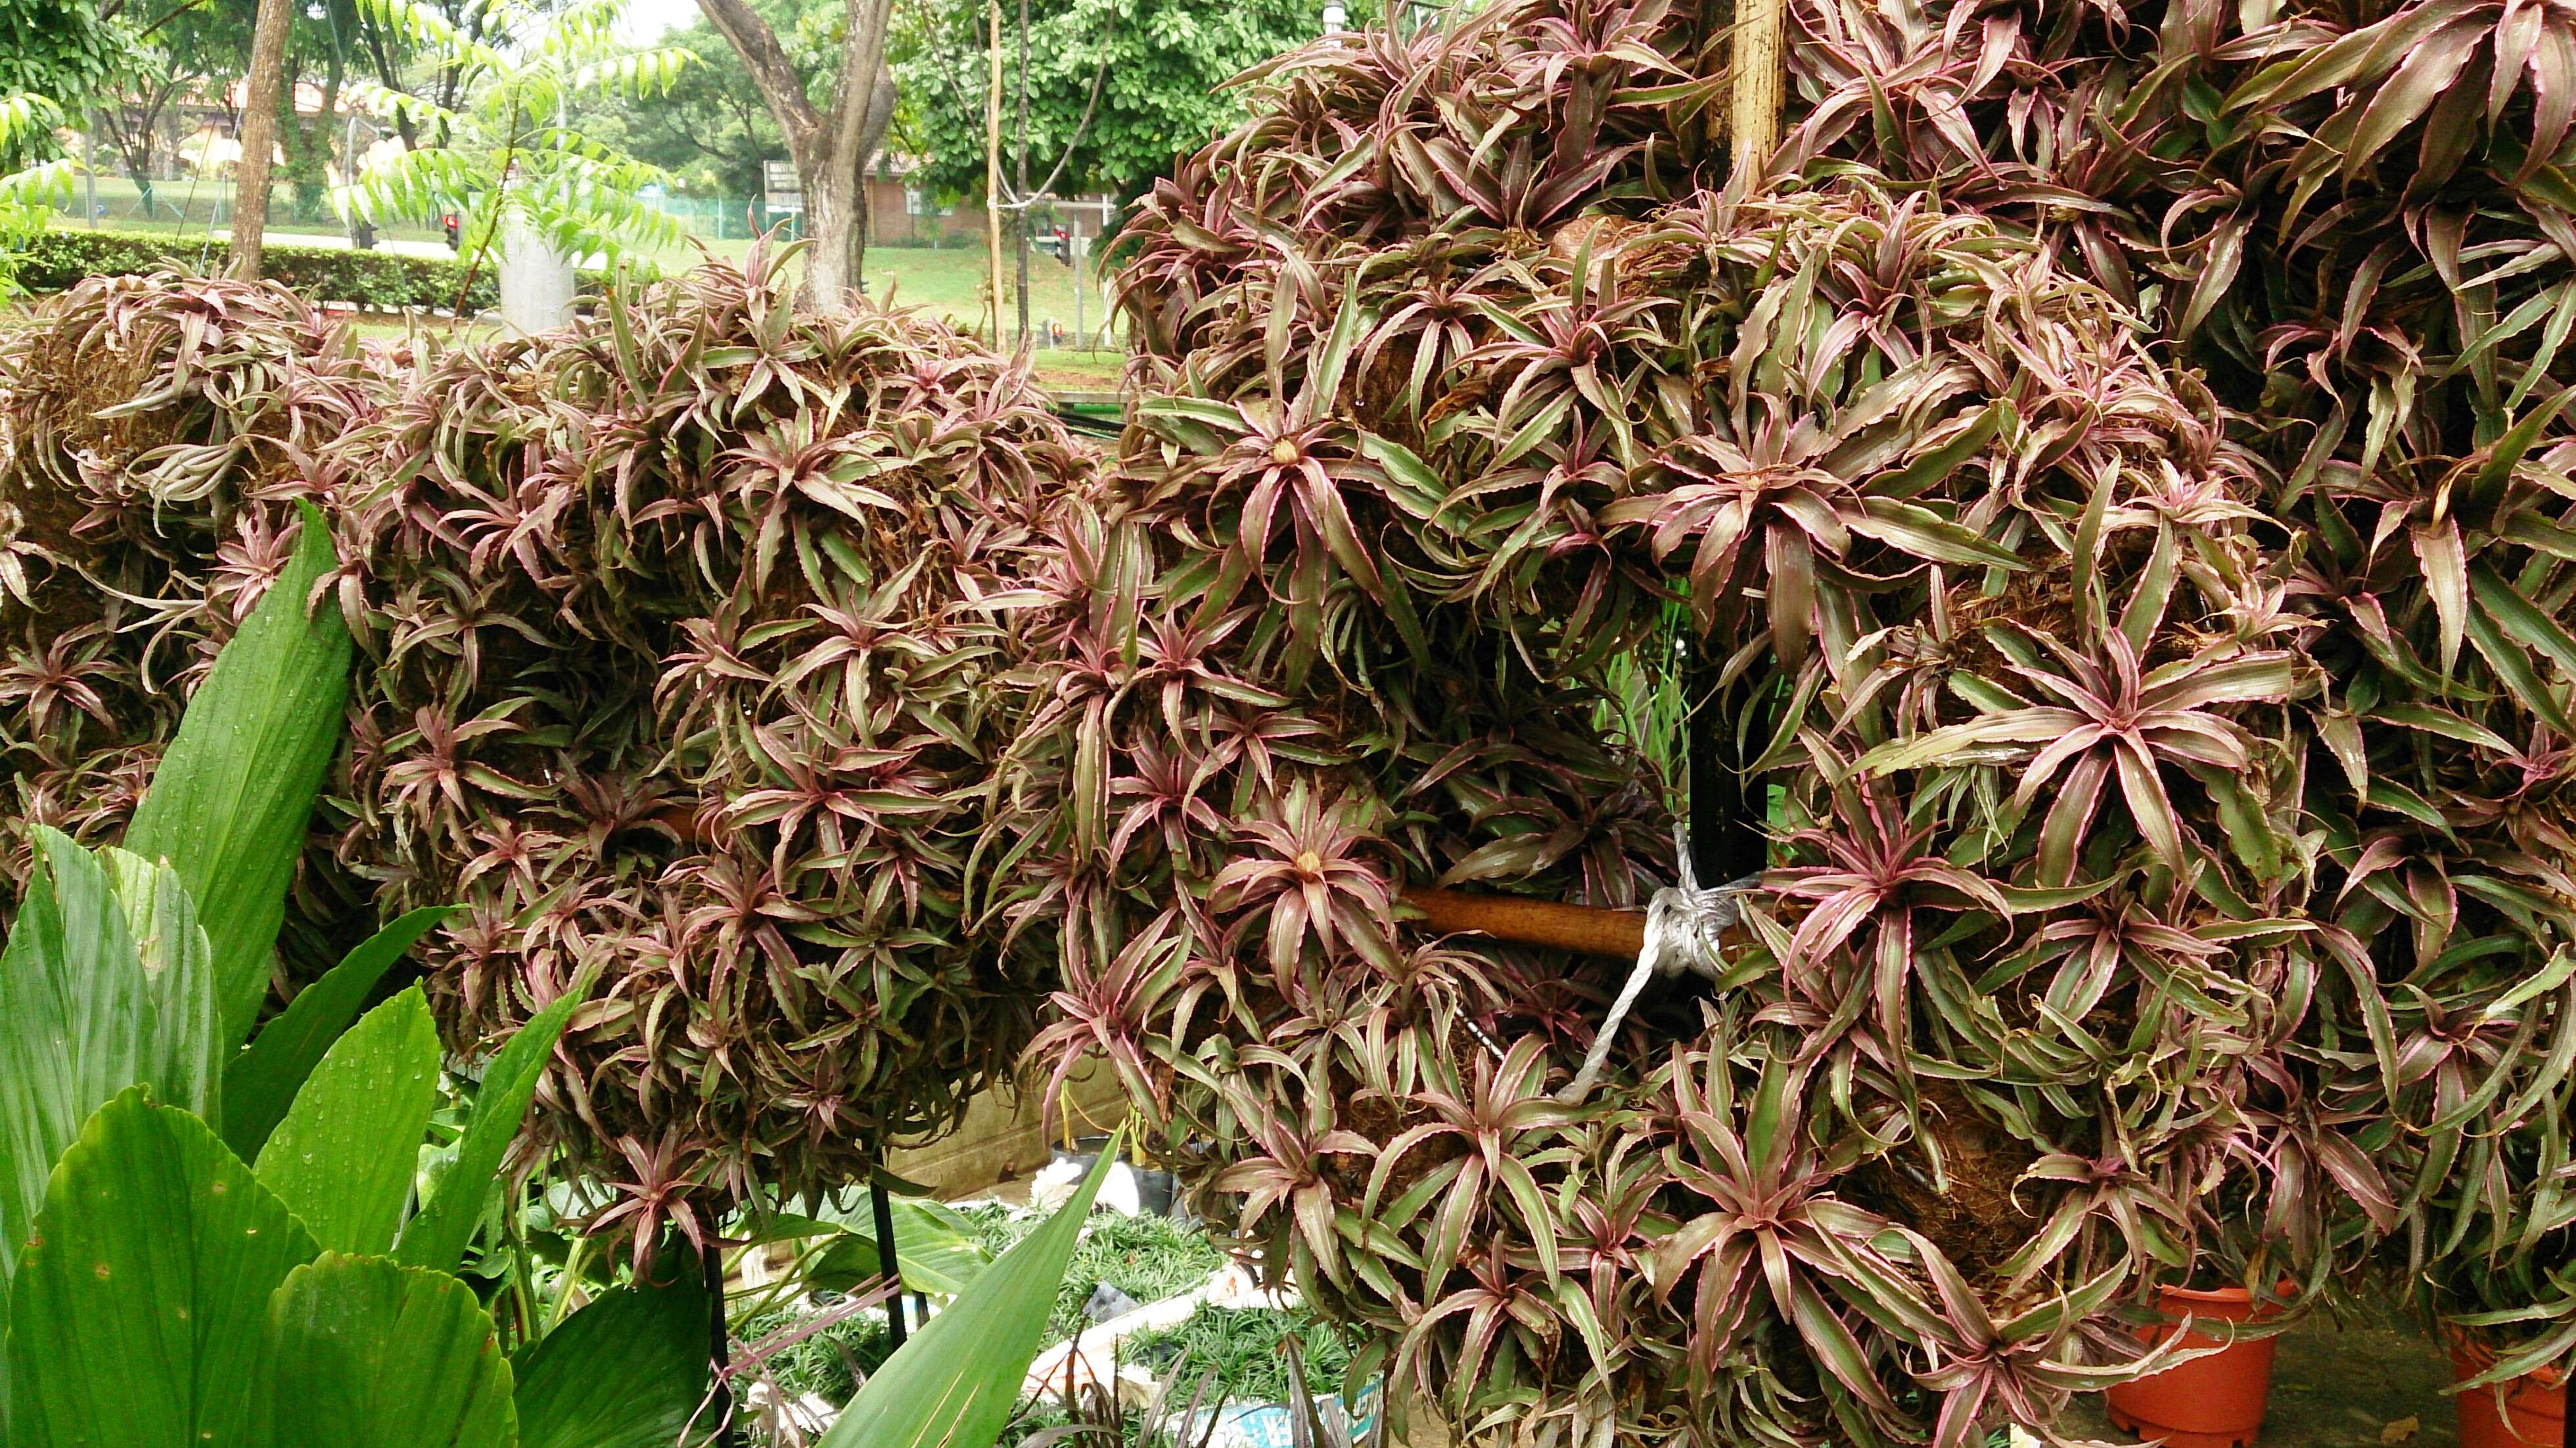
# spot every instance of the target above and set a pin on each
(951, 282)
(948, 281)
(199, 207)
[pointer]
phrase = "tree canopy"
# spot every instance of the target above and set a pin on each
(1161, 66)
(711, 130)
(68, 51)
(1160, 96)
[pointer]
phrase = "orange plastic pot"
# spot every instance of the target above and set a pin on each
(2532, 1414)
(2210, 1402)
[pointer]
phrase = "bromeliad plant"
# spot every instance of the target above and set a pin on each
(691, 638)
(2355, 222)
(156, 434)
(206, 1243)
(2116, 467)
(1464, 364)
(201, 1243)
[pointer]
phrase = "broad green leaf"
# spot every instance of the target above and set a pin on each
(262, 1081)
(955, 1383)
(365, 1353)
(81, 1018)
(230, 802)
(437, 1237)
(342, 1159)
(184, 1060)
(142, 1307)
(933, 1247)
(628, 1371)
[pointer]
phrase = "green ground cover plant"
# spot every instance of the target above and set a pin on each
(1246, 1349)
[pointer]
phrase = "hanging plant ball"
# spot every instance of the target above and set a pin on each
(1488, 429)
(694, 634)
(155, 434)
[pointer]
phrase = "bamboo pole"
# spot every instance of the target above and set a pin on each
(1755, 71)
(993, 165)
(1548, 924)
(1584, 929)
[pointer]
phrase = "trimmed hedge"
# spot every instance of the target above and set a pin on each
(377, 281)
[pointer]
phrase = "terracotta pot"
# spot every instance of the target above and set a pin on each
(2534, 1409)
(2211, 1402)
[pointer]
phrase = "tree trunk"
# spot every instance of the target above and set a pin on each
(259, 135)
(833, 172)
(832, 145)
(833, 199)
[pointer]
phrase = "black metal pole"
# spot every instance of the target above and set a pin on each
(728, 1433)
(884, 1209)
(1726, 820)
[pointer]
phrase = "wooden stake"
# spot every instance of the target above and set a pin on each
(993, 165)
(1755, 71)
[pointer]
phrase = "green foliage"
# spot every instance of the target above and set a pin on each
(709, 130)
(829, 1362)
(504, 155)
(67, 50)
(342, 1159)
(1148, 1258)
(1163, 93)
(142, 1304)
(261, 1082)
(167, 1294)
(937, 1249)
(439, 1235)
(628, 1371)
(233, 796)
(363, 1353)
(84, 1017)
(377, 281)
(1246, 1348)
(956, 1381)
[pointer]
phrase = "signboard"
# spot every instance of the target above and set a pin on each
(782, 191)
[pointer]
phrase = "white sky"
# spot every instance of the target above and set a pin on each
(647, 19)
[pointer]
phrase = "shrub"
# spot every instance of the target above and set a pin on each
(691, 635)
(375, 281)
(155, 434)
